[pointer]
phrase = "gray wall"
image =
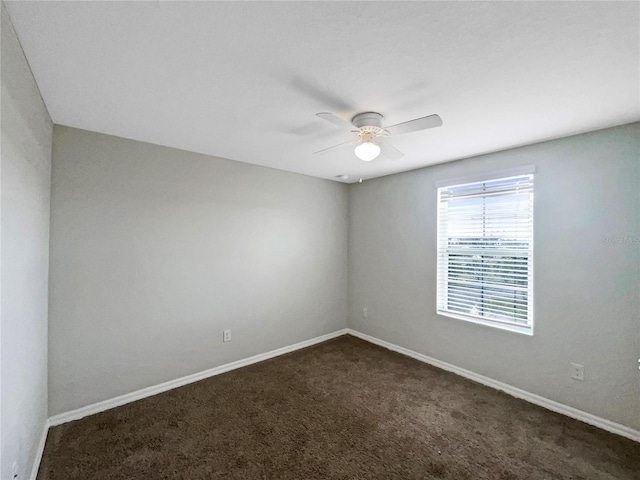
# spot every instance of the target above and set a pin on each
(26, 173)
(154, 251)
(586, 289)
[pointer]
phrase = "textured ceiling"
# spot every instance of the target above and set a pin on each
(243, 80)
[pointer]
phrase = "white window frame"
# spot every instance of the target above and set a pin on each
(444, 249)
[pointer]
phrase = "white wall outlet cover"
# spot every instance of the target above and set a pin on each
(577, 371)
(365, 313)
(226, 336)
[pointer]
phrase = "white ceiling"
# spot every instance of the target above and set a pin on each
(243, 80)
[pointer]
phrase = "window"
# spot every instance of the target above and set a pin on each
(485, 252)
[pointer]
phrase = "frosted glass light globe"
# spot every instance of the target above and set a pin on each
(367, 151)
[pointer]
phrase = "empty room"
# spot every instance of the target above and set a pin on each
(320, 240)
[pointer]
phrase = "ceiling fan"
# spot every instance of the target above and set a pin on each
(369, 131)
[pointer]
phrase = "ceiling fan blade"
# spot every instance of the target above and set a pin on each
(335, 147)
(390, 151)
(337, 121)
(422, 123)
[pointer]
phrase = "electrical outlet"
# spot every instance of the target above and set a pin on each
(365, 313)
(226, 336)
(577, 371)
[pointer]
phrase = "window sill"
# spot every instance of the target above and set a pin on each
(526, 330)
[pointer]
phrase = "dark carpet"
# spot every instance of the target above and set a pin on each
(344, 409)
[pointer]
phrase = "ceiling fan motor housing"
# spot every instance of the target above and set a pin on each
(367, 119)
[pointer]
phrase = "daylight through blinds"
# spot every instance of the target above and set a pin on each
(485, 249)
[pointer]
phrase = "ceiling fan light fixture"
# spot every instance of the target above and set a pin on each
(369, 128)
(367, 151)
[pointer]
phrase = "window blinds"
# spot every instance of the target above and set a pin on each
(485, 252)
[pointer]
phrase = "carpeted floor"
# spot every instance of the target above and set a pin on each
(344, 409)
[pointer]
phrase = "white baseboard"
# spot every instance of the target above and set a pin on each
(40, 451)
(179, 382)
(552, 405)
